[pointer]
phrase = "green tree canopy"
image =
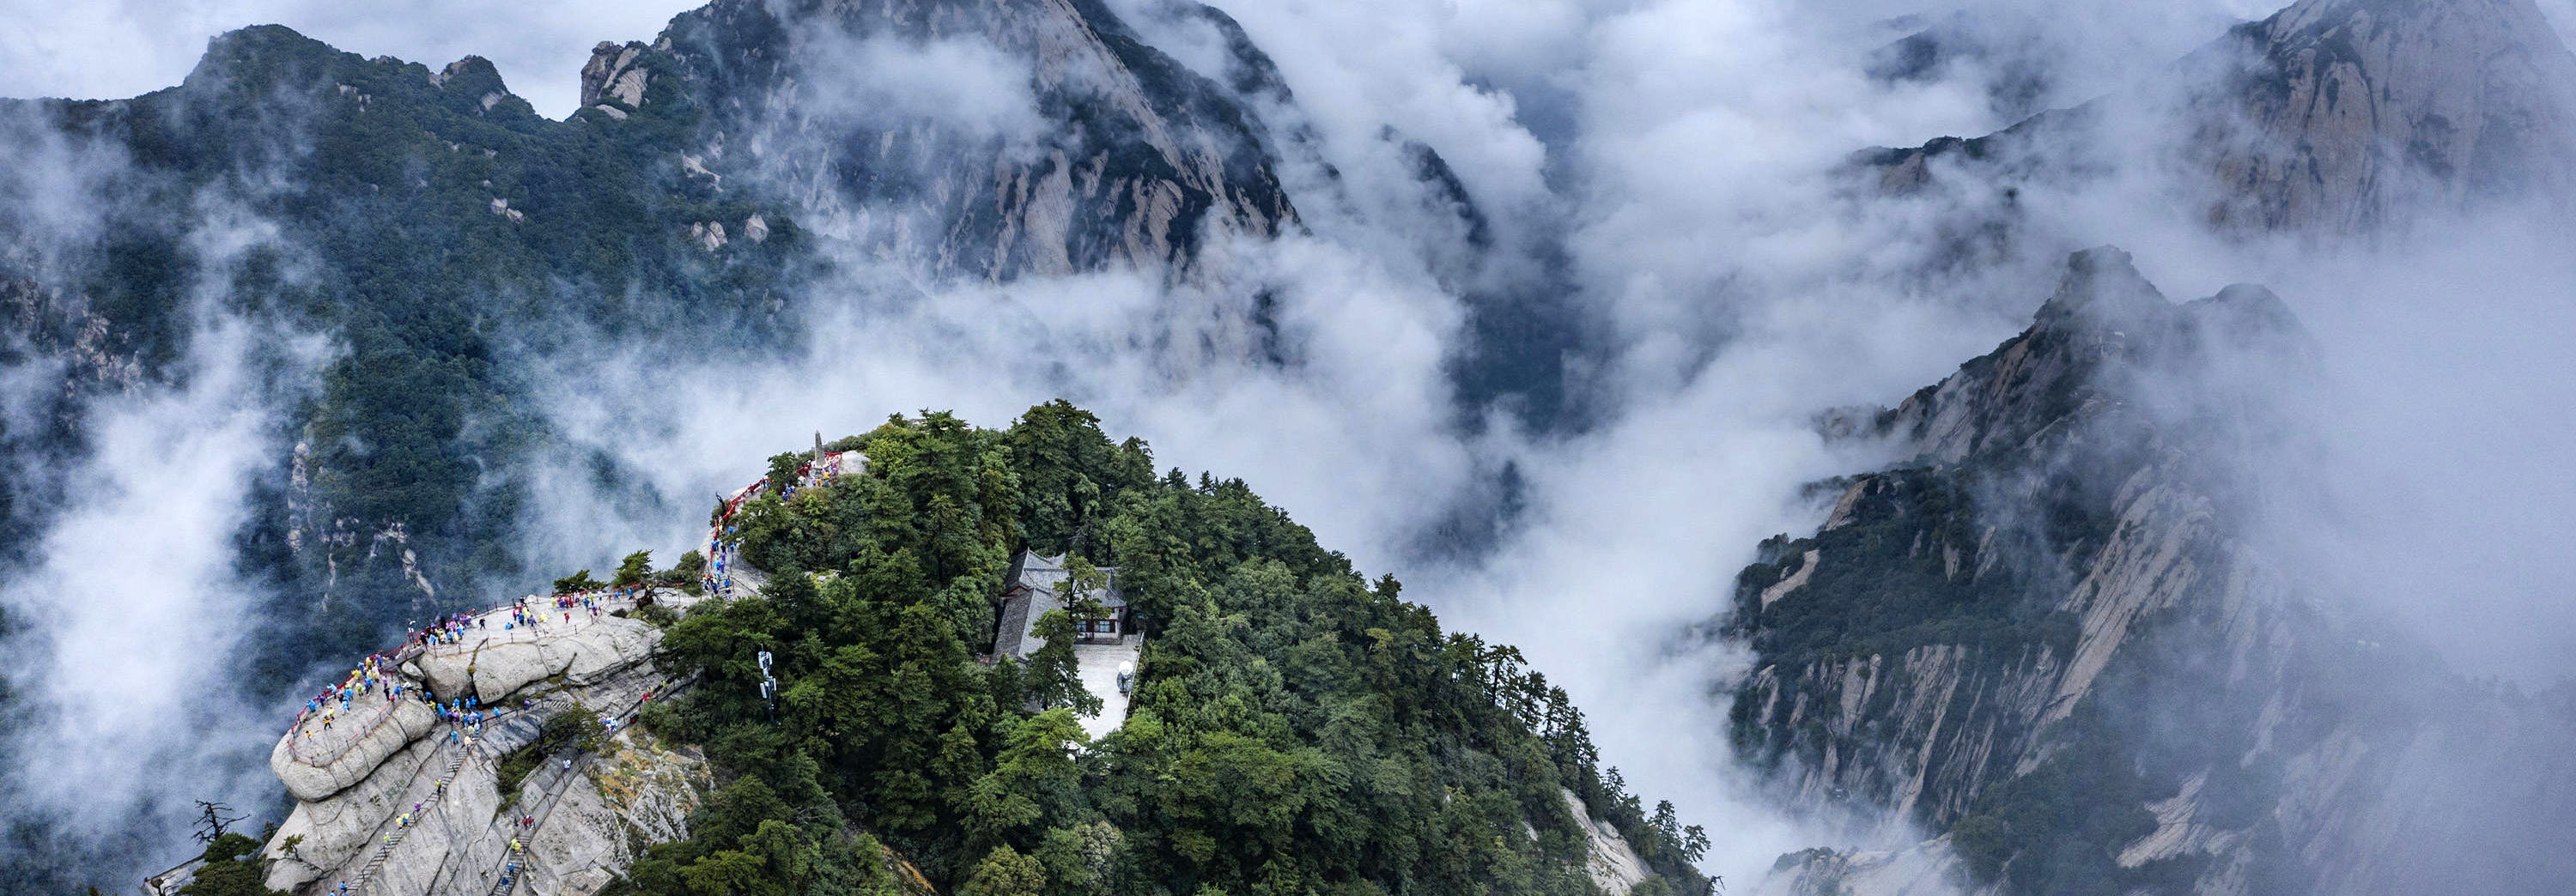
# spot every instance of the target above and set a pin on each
(233, 867)
(1294, 728)
(633, 571)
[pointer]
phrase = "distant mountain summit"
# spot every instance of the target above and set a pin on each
(2331, 115)
(982, 140)
(2049, 637)
(2341, 113)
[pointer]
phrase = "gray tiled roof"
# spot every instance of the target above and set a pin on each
(1032, 591)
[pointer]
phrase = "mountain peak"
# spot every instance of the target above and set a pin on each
(2102, 289)
(2350, 113)
(2102, 330)
(2330, 115)
(257, 47)
(2251, 306)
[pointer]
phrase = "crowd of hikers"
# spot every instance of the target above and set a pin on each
(722, 545)
(370, 677)
(718, 578)
(467, 715)
(374, 675)
(523, 615)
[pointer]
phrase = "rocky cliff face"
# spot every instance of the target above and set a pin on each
(2329, 116)
(1062, 143)
(1995, 575)
(395, 801)
(95, 355)
(2341, 113)
(2048, 638)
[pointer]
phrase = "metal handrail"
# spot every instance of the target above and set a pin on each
(552, 794)
(413, 650)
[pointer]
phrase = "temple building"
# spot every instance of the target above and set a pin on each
(1037, 583)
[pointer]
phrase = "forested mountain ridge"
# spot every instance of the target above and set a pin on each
(428, 248)
(1294, 728)
(2048, 638)
(1127, 158)
(288, 182)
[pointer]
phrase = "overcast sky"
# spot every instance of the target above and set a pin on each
(107, 49)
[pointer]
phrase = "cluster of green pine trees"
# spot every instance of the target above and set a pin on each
(1296, 729)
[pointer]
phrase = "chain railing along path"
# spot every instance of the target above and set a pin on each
(306, 750)
(340, 741)
(513, 861)
(326, 745)
(730, 578)
(385, 849)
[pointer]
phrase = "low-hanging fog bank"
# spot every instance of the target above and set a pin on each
(1682, 157)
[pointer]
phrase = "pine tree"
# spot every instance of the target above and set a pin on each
(1054, 677)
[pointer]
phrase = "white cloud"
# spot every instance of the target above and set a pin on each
(1352, 435)
(2441, 431)
(132, 608)
(962, 84)
(1686, 163)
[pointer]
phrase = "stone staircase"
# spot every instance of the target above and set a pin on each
(385, 850)
(509, 876)
(513, 862)
(548, 796)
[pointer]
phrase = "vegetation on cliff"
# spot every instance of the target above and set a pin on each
(1927, 638)
(1296, 729)
(233, 867)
